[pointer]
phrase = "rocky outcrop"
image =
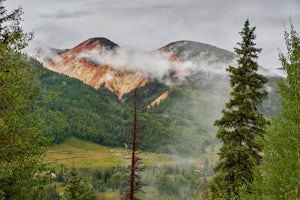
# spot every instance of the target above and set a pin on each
(72, 64)
(157, 101)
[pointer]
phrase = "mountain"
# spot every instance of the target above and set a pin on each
(72, 63)
(94, 62)
(196, 51)
(182, 87)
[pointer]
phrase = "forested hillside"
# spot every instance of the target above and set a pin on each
(181, 124)
(69, 107)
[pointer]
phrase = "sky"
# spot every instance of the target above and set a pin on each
(146, 25)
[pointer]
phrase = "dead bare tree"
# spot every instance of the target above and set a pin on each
(136, 162)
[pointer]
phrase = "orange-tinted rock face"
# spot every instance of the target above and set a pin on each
(157, 101)
(96, 75)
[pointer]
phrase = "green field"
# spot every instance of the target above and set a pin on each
(90, 155)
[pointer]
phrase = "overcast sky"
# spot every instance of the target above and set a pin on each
(150, 24)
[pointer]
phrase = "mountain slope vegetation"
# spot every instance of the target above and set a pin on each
(180, 124)
(72, 108)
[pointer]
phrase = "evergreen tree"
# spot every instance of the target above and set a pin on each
(20, 137)
(76, 188)
(242, 125)
(281, 166)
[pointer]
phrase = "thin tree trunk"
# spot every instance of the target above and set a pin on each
(133, 158)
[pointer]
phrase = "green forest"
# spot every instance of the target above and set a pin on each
(70, 108)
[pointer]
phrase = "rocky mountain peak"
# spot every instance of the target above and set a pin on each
(101, 41)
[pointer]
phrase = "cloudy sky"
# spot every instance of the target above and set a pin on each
(150, 24)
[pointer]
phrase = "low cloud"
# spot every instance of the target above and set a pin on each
(159, 65)
(42, 52)
(155, 64)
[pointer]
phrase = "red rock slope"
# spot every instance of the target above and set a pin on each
(91, 73)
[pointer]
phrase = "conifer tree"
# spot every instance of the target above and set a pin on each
(76, 188)
(21, 141)
(241, 125)
(281, 166)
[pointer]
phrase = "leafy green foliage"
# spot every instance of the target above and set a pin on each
(242, 125)
(47, 192)
(280, 168)
(21, 142)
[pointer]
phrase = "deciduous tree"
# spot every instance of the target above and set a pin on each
(281, 166)
(21, 141)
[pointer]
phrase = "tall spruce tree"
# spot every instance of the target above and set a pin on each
(242, 125)
(20, 138)
(281, 166)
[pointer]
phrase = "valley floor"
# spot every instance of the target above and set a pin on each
(90, 158)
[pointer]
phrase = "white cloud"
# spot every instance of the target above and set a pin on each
(148, 25)
(41, 52)
(155, 64)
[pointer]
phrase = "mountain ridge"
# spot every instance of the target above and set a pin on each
(182, 122)
(72, 62)
(99, 62)
(181, 46)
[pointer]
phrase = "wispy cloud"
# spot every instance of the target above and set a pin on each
(61, 13)
(156, 64)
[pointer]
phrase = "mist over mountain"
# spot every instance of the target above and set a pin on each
(182, 85)
(99, 61)
(196, 51)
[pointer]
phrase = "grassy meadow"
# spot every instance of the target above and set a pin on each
(90, 155)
